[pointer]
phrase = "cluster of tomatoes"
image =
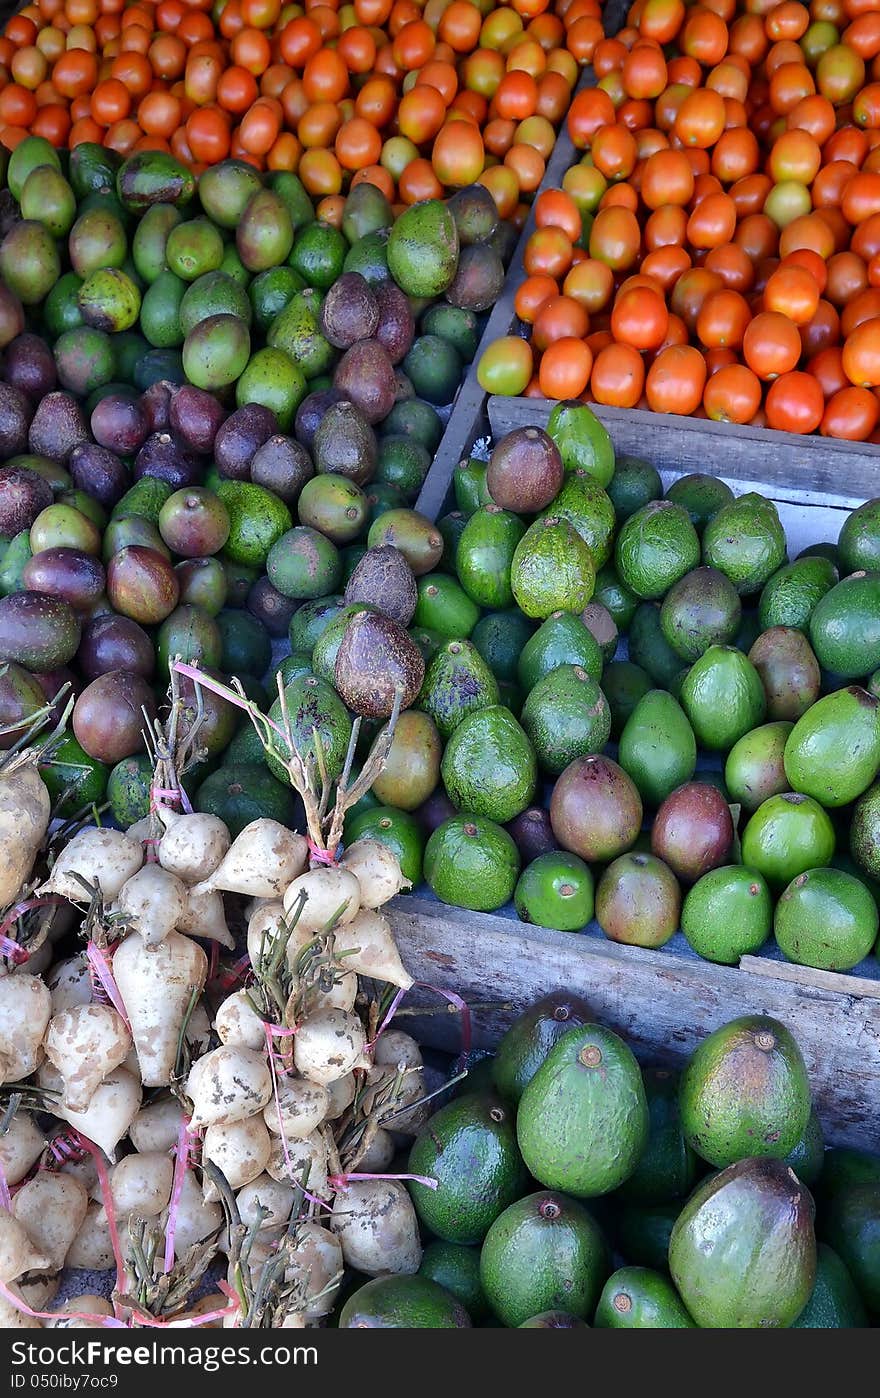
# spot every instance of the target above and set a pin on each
(416, 96)
(717, 250)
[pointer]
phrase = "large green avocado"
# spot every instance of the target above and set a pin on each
(833, 751)
(457, 682)
(530, 1038)
(552, 569)
(423, 249)
(656, 546)
(657, 746)
(542, 1253)
(471, 862)
(403, 1303)
(743, 1250)
(723, 697)
(484, 555)
(583, 441)
(566, 716)
(745, 1092)
(316, 715)
(746, 541)
(561, 639)
(469, 1147)
(792, 594)
(583, 1119)
(584, 503)
(489, 766)
(845, 627)
(635, 1298)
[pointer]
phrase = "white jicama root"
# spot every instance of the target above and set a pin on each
(91, 1249)
(142, 830)
(328, 1045)
(85, 1044)
(298, 1109)
(18, 1253)
(228, 1084)
(342, 1094)
(305, 1163)
(330, 892)
(379, 1153)
(238, 1023)
(157, 985)
(155, 900)
(194, 1220)
(265, 923)
(25, 808)
(157, 1125)
(317, 1264)
(204, 916)
(239, 1149)
(377, 871)
(86, 1305)
(21, 1145)
(367, 946)
(51, 1208)
(192, 845)
(70, 983)
(265, 1201)
(25, 1009)
(398, 1050)
(112, 1109)
(261, 861)
(103, 858)
(141, 1184)
(376, 1224)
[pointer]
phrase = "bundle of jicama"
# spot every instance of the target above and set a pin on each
(203, 1111)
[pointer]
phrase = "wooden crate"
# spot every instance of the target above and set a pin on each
(662, 1004)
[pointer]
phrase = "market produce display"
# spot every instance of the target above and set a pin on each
(716, 252)
(634, 707)
(205, 411)
(664, 1201)
(160, 1111)
(414, 99)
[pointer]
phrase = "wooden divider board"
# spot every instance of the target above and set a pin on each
(662, 1004)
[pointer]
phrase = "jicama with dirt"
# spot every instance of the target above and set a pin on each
(189, 1120)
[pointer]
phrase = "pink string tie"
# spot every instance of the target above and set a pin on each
(317, 855)
(187, 1142)
(341, 1182)
(11, 949)
(101, 974)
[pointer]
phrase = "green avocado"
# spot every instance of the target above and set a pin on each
(656, 546)
(723, 697)
(543, 1252)
(583, 1119)
(562, 639)
(657, 746)
(485, 553)
(566, 715)
(792, 594)
(833, 751)
(635, 1298)
(746, 541)
(745, 1092)
(525, 1045)
(489, 766)
(743, 1250)
(457, 682)
(471, 862)
(469, 1147)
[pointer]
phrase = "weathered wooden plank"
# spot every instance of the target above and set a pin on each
(799, 469)
(663, 1004)
(810, 976)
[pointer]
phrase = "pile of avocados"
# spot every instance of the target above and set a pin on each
(635, 707)
(576, 1189)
